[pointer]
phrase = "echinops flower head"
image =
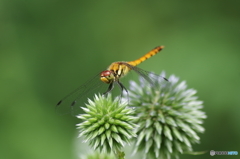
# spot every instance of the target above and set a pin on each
(169, 115)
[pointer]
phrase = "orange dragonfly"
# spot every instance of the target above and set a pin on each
(111, 76)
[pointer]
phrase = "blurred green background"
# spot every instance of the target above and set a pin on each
(50, 47)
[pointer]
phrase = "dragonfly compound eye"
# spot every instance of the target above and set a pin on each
(107, 76)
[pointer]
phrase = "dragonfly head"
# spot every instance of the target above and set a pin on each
(107, 76)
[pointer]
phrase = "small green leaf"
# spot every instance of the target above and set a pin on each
(158, 127)
(158, 140)
(140, 137)
(148, 122)
(101, 130)
(161, 117)
(168, 143)
(114, 128)
(103, 138)
(107, 125)
(177, 134)
(148, 145)
(167, 132)
(125, 133)
(149, 133)
(170, 121)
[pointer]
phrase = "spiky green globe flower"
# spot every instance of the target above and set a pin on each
(170, 117)
(107, 125)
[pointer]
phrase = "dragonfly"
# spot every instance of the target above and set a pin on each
(110, 76)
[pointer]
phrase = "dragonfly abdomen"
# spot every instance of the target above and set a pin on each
(146, 56)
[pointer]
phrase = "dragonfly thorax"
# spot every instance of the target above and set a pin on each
(115, 71)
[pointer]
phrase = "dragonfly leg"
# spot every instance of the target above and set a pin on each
(123, 89)
(110, 87)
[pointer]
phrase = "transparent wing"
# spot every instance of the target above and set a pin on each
(148, 76)
(73, 101)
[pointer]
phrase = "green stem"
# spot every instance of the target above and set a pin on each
(120, 154)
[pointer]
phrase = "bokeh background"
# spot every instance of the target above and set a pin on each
(50, 47)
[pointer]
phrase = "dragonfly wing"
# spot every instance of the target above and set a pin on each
(146, 75)
(75, 99)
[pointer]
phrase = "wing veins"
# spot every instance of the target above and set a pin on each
(83, 89)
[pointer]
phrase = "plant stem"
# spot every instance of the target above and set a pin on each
(119, 154)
